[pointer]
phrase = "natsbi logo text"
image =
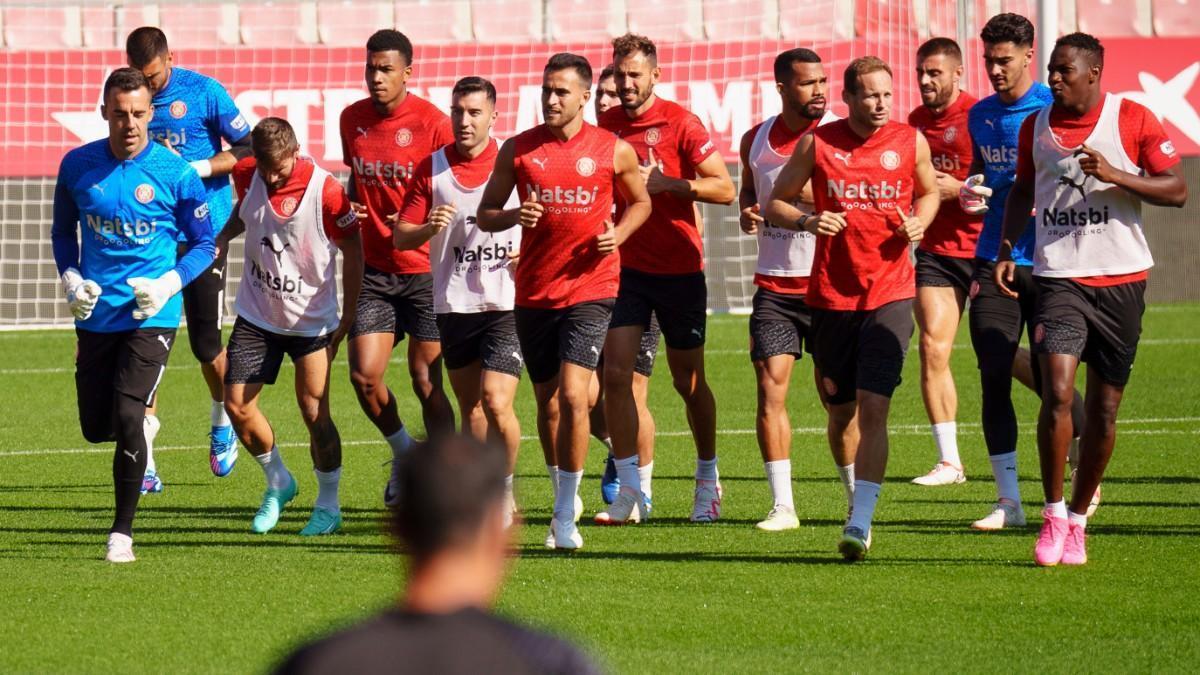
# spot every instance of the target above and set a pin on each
(381, 170)
(482, 253)
(864, 190)
(275, 282)
(1074, 217)
(564, 200)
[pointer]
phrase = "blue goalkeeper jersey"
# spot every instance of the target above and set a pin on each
(132, 212)
(194, 112)
(994, 127)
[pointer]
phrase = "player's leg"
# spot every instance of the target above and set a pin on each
(938, 308)
(643, 368)
(203, 304)
(461, 351)
(774, 348)
(501, 361)
(415, 313)
(325, 444)
(465, 382)
(95, 367)
(833, 342)
(630, 319)
(538, 338)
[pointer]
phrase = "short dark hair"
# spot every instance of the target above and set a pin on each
(447, 486)
(565, 60)
(125, 79)
(631, 43)
(1008, 27)
(144, 45)
(939, 45)
(863, 65)
(785, 60)
(273, 137)
(473, 84)
(388, 40)
(609, 71)
(1084, 43)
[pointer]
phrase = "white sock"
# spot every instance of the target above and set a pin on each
(272, 464)
(779, 477)
(552, 471)
(945, 436)
(150, 426)
(564, 501)
(1077, 519)
(400, 442)
(218, 415)
(706, 469)
(627, 473)
(866, 494)
(1004, 469)
(646, 477)
(327, 489)
(1057, 509)
(508, 482)
(847, 475)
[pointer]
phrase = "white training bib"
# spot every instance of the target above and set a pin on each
(289, 283)
(1085, 227)
(471, 270)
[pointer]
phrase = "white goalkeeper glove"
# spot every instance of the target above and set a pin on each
(82, 294)
(973, 195)
(152, 294)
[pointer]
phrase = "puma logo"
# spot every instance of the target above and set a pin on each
(595, 350)
(539, 161)
(1066, 180)
(166, 342)
(991, 123)
(517, 356)
(98, 188)
(361, 131)
(845, 158)
(131, 455)
(266, 241)
(697, 332)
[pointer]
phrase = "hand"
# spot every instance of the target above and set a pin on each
(826, 223)
(911, 227)
(1004, 274)
(651, 172)
(750, 219)
(152, 294)
(339, 334)
(82, 294)
(606, 242)
(1095, 165)
(973, 196)
(513, 259)
(360, 210)
(440, 217)
(531, 211)
(948, 186)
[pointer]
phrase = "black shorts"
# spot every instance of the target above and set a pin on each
(861, 349)
(997, 320)
(934, 269)
(679, 301)
(573, 334)
(396, 304)
(1100, 325)
(204, 307)
(255, 354)
(648, 349)
(130, 362)
(780, 323)
(487, 337)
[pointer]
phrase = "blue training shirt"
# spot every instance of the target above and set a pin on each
(132, 212)
(995, 126)
(194, 112)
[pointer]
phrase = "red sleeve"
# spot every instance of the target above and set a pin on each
(694, 143)
(1145, 140)
(337, 215)
(419, 194)
(243, 172)
(1025, 169)
(343, 125)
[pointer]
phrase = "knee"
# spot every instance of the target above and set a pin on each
(1103, 415)
(1059, 394)
(498, 404)
(205, 343)
(688, 382)
(617, 377)
(935, 353)
(313, 414)
(772, 396)
(96, 429)
(575, 400)
(130, 413)
(238, 410)
(422, 382)
(841, 415)
(365, 383)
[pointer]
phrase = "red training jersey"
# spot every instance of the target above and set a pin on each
(668, 242)
(953, 231)
(337, 217)
(1142, 135)
(560, 264)
(382, 153)
(867, 264)
(470, 173)
(783, 141)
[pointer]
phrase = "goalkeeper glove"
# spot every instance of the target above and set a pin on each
(973, 195)
(82, 294)
(152, 294)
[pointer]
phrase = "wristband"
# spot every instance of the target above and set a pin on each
(803, 221)
(202, 167)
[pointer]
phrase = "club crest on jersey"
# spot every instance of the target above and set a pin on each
(652, 136)
(178, 109)
(404, 138)
(144, 193)
(585, 167)
(288, 207)
(950, 134)
(890, 160)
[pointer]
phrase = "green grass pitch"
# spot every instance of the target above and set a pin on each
(208, 596)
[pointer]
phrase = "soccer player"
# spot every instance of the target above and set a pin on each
(564, 171)
(997, 320)
(781, 322)
(662, 272)
(133, 199)
(384, 137)
(192, 115)
(296, 218)
(945, 255)
(473, 288)
(1086, 164)
(868, 173)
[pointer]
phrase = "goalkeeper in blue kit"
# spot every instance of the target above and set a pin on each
(132, 199)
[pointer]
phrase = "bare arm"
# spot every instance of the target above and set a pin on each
(927, 187)
(750, 217)
(632, 190)
(352, 274)
(222, 162)
(789, 185)
(1165, 189)
(492, 216)
(232, 230)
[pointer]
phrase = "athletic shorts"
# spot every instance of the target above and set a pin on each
(997, 320)
(780, 323)
(130, 362)
(648, 349)
(396, 304)
(204, 307)
(573, 334)
(255, 354)
(487, 337)
(679, 301)
(935, 269)
(1099, 325)
(861, 349)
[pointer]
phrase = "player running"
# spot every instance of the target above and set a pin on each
(384, 137)
(192, 114)
(662, 272)
(473, 288)
(564, 171)
(781, 322)
(945, 256)
(868, 173)
(1086, 163)
(296, 218)
(122, 277)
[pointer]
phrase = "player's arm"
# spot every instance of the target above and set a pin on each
(926, 188)
(1016, 209)
(1163, 189)
(492, 216)
(232, 126)
(712, 183)
(633, 191)
(789, 186)
(417, 223)
(750, 217)
(192, 219)
(221, 164)
(82, 294)
(232, 230)
(352, 276)
(972, 193)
